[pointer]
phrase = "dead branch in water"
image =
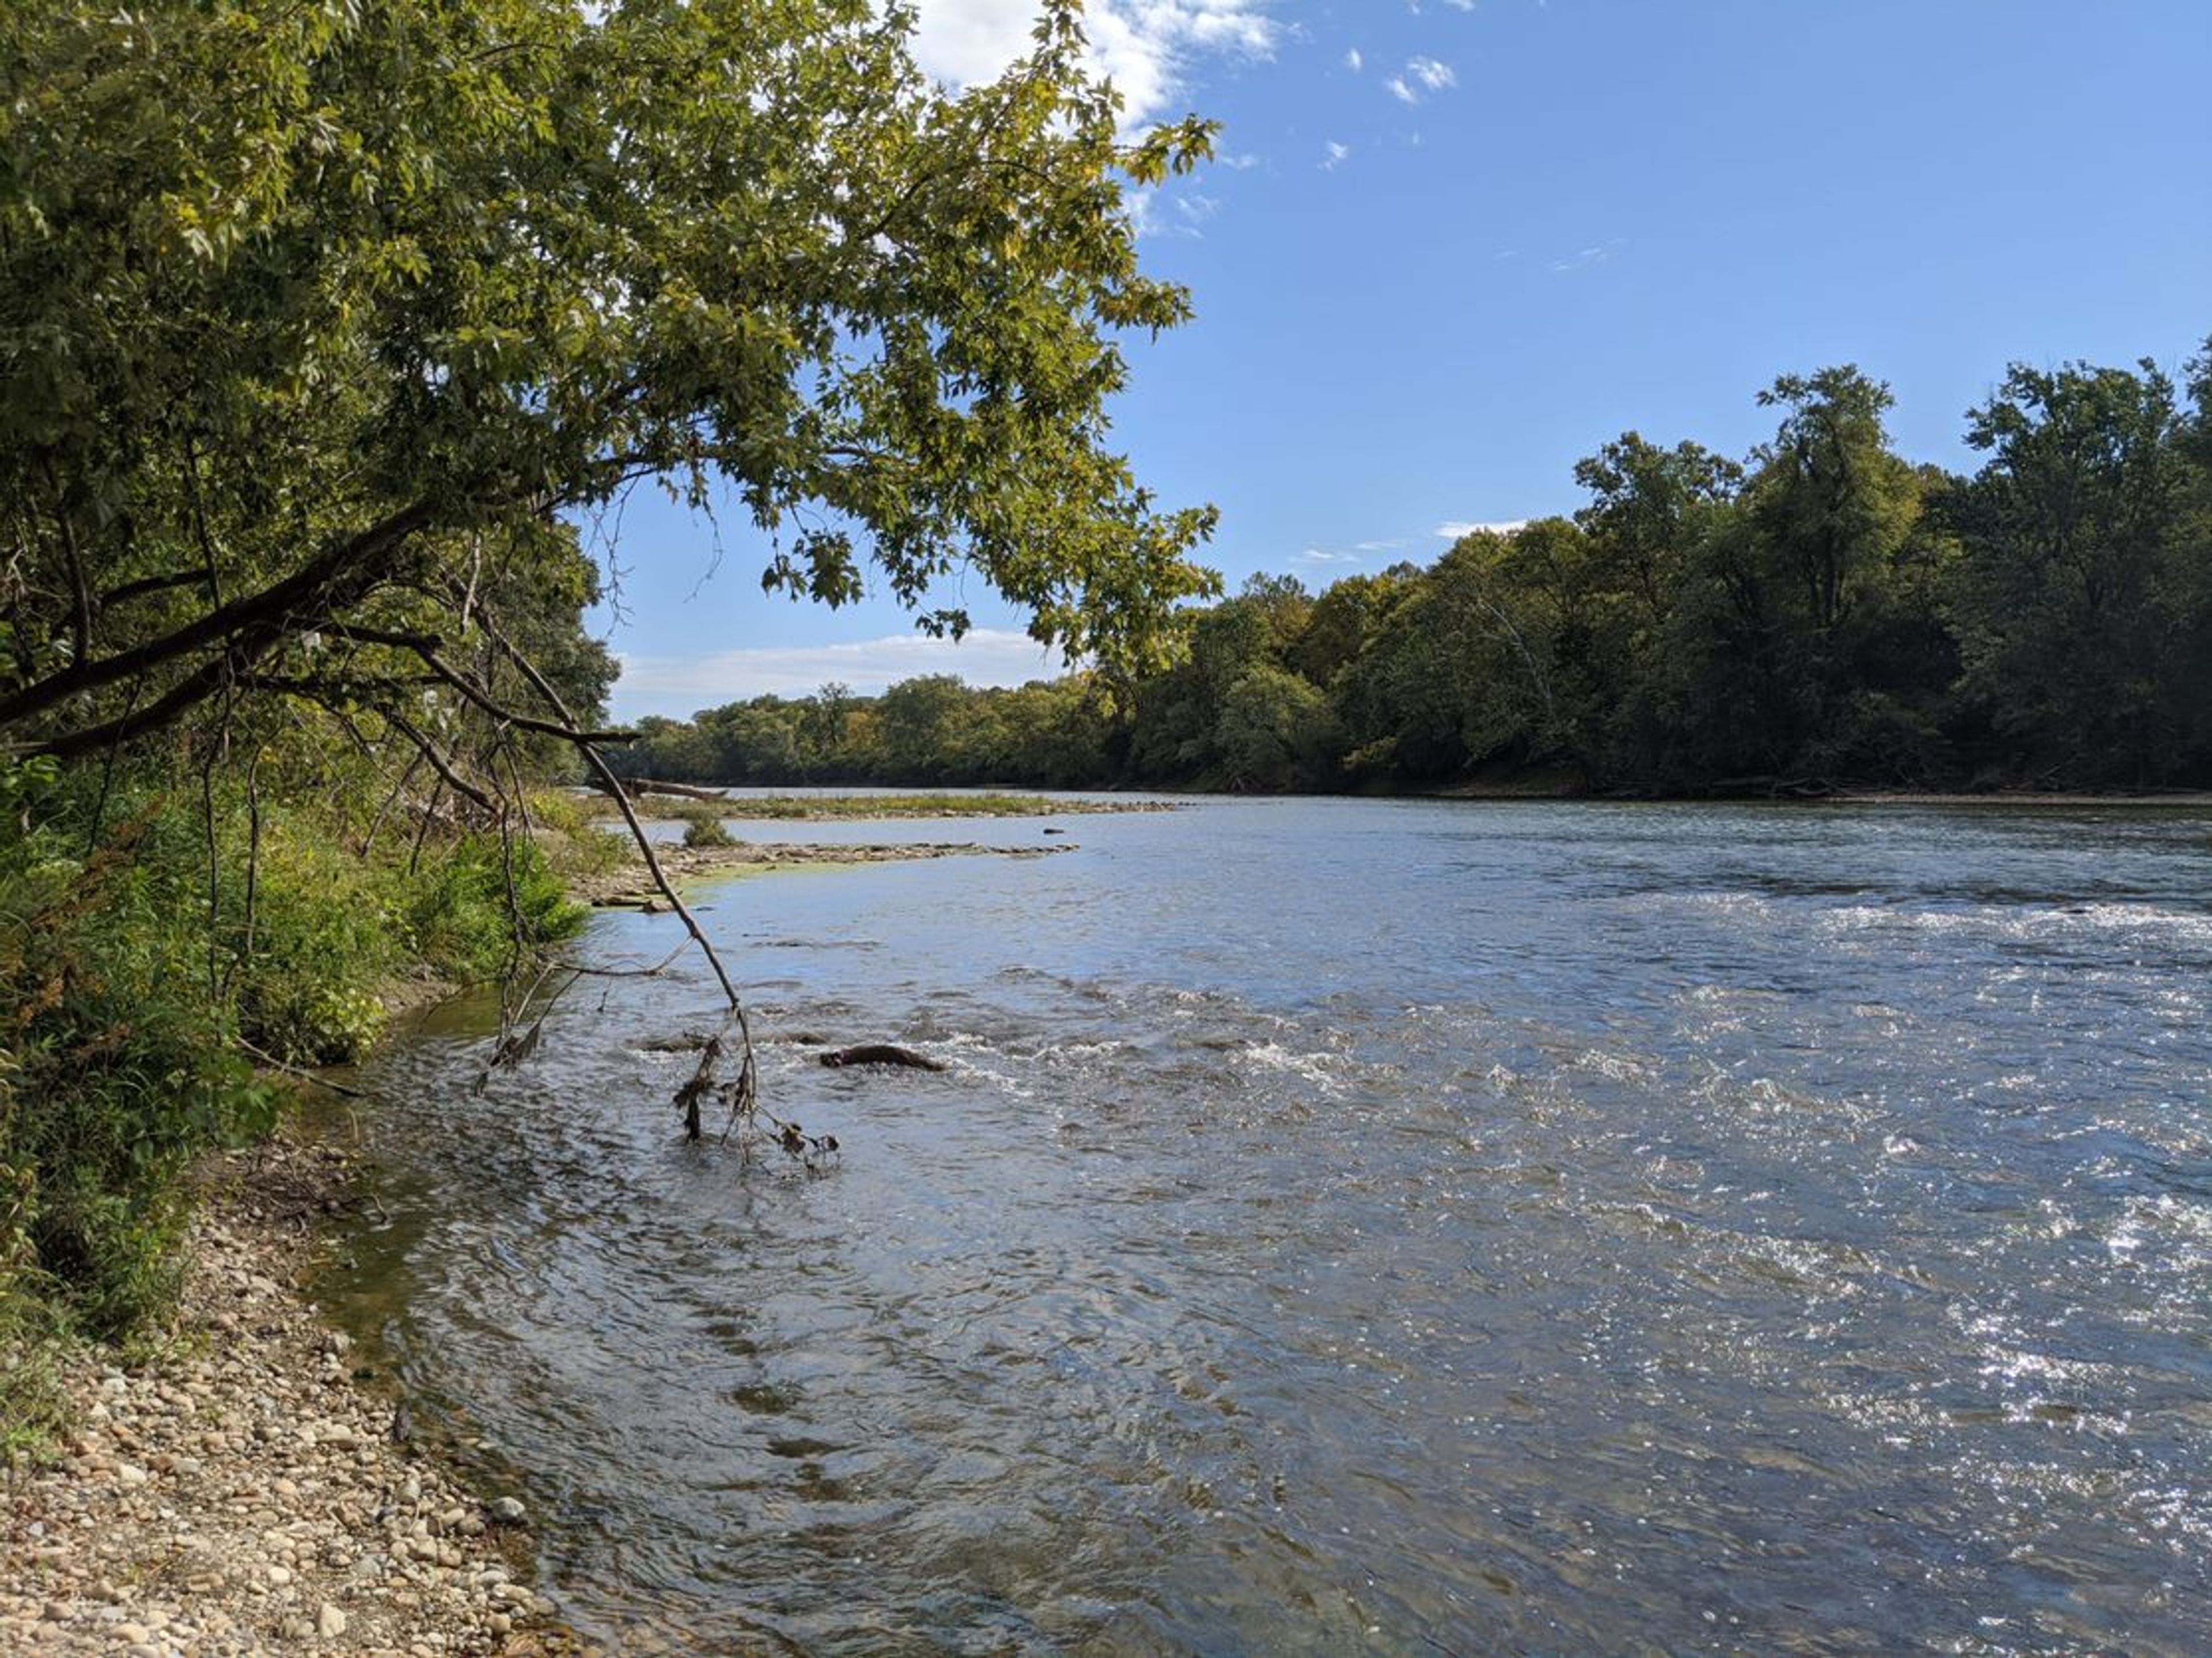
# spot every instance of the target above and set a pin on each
(743, 1091)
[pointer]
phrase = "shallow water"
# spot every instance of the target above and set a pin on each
(1365, 1226)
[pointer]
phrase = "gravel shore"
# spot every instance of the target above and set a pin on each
(628, 886)
(241, 1493)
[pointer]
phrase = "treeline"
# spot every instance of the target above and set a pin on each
(1823, 613)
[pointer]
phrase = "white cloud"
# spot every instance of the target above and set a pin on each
(1583, 257)
(1434, 75)
(1320, 558)
(1147, 47)
(1455, 528)
(1423, 75)
(1194, 210)
(1336, 157)
(1354, 61)
(679, 686)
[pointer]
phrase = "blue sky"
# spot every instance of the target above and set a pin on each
(1452, 246)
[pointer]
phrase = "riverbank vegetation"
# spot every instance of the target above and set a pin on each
(327, 333)
(1821, 614)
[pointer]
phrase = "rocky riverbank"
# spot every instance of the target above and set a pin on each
(242, 1492)
(246, 1490)
(628, 885)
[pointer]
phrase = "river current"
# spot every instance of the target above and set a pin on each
(1361, 1226)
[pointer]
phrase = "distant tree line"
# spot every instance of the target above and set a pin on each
(1823, 613)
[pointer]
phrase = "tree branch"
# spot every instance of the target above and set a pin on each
(152, 584)
(744, 1093)
(344, 571)
(429, 750)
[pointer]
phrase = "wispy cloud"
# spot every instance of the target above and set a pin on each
(1193, 210)
(1583, 258)
(679, 686)
(1422, 76)
(1148, 48)
(1354, 61)
(1320, 558)
(1432, 74)
(1454, 529)
(1335, 155)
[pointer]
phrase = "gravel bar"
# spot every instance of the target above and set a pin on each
(241, 1493)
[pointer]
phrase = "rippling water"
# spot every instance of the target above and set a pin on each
(1367, 1226)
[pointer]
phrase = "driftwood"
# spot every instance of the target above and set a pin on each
(638, 787)
(881, 1054)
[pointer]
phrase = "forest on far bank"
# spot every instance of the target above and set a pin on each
(1822, 614)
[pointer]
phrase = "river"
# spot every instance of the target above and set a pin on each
(1362, 1226)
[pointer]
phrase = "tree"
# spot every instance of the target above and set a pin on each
(320, 325)
(1276, 732)
(2076, 588)
(1651, 513)
(1176, 730)
(1791, 591)
(1649, 508)
(1343, 620)
(309, 315)
(1459, 672)
(1830, 500)
(1058, 732)
(933, 729)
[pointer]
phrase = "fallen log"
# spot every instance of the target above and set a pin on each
(638, 787)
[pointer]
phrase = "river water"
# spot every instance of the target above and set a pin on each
(1364, 1226)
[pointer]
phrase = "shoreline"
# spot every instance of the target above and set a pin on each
(628, 885)
(242, 1483)
(242, 1491)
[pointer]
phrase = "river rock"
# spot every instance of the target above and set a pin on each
(255, 1506)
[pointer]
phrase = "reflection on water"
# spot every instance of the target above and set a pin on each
(1369, 1226)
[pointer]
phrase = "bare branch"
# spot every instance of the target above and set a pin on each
(744, 1093)
(246, 630)
(429, 750)
(147, 585)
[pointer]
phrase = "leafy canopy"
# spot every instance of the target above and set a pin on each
(312, 315)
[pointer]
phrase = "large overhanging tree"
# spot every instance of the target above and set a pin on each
(320, 322)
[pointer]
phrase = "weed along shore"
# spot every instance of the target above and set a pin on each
(240, 1491)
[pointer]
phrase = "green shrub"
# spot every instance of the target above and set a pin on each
(571, 832)
(326, 932)
(123, 1068)
(133, 985)
(708, 832)
(31, 1330)
(485, 904)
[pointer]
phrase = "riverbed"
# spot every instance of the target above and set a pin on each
(1385, 1226)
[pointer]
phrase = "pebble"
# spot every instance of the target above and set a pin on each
(257, 1505)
